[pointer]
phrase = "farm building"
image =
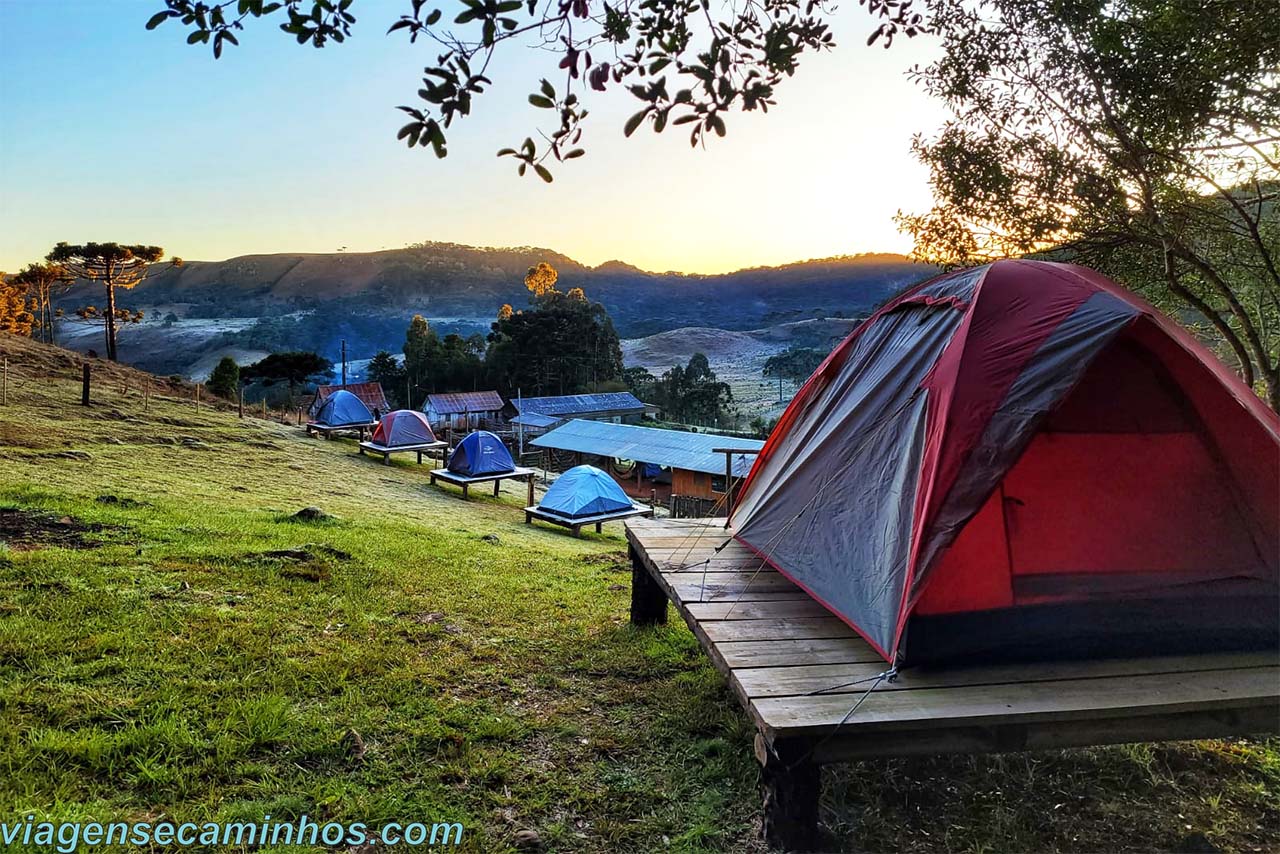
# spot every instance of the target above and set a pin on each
(464, 410)
(649, 461)
(370, 395)
(539, 414)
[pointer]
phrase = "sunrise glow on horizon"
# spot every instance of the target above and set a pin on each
(110, 132)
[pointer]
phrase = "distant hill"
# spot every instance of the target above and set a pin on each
(368, 297)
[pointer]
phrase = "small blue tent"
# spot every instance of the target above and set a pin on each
(342, 408)
(584, 491)
(481, 453)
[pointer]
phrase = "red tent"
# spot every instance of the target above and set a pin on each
(1025, 459)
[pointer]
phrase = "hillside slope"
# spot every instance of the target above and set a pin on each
(173, 644)
(367, 299)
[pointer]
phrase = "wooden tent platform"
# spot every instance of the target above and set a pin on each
(799, 672)
(385, 451)
(315, 428)
(467, 482)
(577, 524)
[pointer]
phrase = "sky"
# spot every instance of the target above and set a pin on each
(109, 132)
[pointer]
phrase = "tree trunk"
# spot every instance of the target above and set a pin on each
(111, 322)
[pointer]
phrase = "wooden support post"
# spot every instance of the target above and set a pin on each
(4, 394)
(240, 400)
(529, 501)
(728, 485)
(648, 600)
(791, 787)
(264, 407)
(496, 484)
(197, 397)
(84, 386)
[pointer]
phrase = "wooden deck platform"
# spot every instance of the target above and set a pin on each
(386, 451)
(329, 431)
(466, 482)
(577, 524)
(799, 672)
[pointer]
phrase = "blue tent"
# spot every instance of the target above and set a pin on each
(342, 408)
(584, 491)
(481, 453)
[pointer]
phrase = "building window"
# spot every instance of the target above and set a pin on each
(717, 483)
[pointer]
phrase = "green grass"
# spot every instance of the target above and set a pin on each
(176, 670)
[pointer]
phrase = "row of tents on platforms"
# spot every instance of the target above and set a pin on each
(583, 491)
(472, 410)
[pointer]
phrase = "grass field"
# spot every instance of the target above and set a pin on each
(173, 644)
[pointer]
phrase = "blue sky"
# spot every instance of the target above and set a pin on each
(110, 132)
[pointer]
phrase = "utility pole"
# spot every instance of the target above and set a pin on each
(344, 363)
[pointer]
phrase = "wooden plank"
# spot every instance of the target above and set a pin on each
(768, 610)
(852, 744)
(460, 480)
(1023, 702)
(787, 653)
(692, 589)
(836, 678)
(721, 631)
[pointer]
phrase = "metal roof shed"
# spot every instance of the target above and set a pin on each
(604, 404)
(671, 448)
(463, 402)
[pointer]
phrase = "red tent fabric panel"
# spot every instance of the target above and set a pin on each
(1083, 503)
(1244, 433)
(973, 575)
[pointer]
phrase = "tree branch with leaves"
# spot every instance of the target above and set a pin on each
(688, 62)
(1141, 138)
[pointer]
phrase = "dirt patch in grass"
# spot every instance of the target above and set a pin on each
(308, 562)
(119, 501)
(32, 529)
(608, 560)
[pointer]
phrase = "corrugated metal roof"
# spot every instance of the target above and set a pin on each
(533, 419)
(673, 448)
(370, 395)
(464, 401)
(580, 404)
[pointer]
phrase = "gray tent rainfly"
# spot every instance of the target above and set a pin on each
(1025, 459)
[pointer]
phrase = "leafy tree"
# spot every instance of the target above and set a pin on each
(224, 381)
(640, 382)
(112, 266)
(421, 351)
(385, 369)
(505, 312)
(693, 394)
(796, 364)
(716, 60)
(762, 426)
(541, 280)
(561, 346)
(42, 281)
(1136, 137)
(15, 315)
(296, 368)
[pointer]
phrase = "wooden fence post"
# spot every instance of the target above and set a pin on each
(84, 386)
(4, 394)
(240, 400)
(197, 397)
